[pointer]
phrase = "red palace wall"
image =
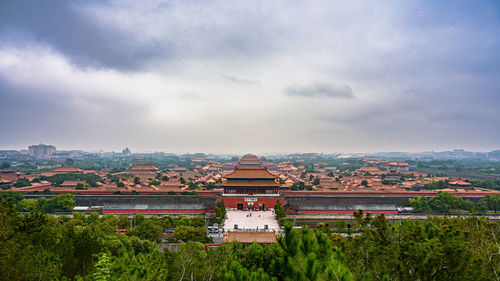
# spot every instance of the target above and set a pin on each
(269, 203)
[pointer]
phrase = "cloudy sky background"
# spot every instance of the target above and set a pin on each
(250, 76)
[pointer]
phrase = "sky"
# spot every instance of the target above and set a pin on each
(250, 76)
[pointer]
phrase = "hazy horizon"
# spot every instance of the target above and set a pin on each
(250, 76)
(258, 153)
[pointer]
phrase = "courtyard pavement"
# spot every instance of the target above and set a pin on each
(250, 220)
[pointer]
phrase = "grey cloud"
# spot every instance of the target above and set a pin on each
(239, 80)
(189, 43)
(320, 90)
(58, 24)
(73, 28)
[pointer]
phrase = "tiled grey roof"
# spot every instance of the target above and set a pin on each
(125, 206)
(353, 207)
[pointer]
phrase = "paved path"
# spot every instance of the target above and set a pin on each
(250, 220)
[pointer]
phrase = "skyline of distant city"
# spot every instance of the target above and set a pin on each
(47, 150)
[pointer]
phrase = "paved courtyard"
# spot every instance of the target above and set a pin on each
(250, 220)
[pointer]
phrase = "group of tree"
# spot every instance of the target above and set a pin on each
(154, 182)
(446, 203)
(279, 212)
(436, 184)
(300, 186)
(220, 211)
(435, 249)
(4, 166)
(60, 203)
(22, 182)
(90, 179)
(490, 184)
(119, 177)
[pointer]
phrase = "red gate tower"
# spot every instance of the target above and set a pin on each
(250, 185)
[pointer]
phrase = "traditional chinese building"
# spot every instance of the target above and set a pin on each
(67, 170)
(250, 185)
(249, 178)
(142, 170)
(459, 183)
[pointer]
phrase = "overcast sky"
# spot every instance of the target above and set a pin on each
(250, 76)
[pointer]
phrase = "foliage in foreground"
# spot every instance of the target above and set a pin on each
(37, 246)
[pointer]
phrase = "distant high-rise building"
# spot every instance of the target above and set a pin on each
(39, 150)
(126, 151)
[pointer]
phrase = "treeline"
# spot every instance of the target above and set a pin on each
(41, 247)
(490, 184)
(435, 249)
(60, 203)
(477, 167)
(90, 179)
(220, 211)
(445, 203)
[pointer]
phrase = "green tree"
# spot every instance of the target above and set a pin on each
(137, 180)
(211, 186)
(150, 229)
(419, 204)
(236, 272)
(154, 182)
(22, 182)
(123, 222)
(190, 261)
(190, 233)
(279, 211)
(102, 271)
(28, 205)
(167, 221)
(15, 196)
(220, 211)
(316, 181)
(182, 220)
(309, 256)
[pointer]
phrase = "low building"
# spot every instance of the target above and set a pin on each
(328, 209)
(459, 183)
(8, 177)
(173, 209)
(248, 237)
(143, 171)
(369, 170)
(67, 170)
(72, 184)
